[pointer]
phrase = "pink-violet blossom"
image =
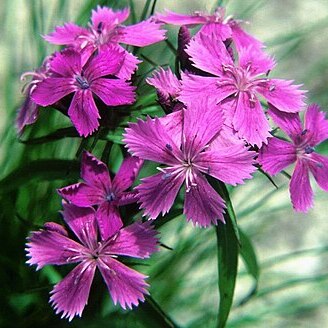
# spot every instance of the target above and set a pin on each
(279, 154)
(223, 28)
(99, 189)
(106, 28)
(240, 83)
(52, 246)
(95, 77)
(183, 141)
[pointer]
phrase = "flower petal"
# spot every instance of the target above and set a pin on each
(204, 87)
(203, 205)
(127, 173)
(51, 246)
(136, 240)
(150, 140)
(319, 169)
(231, 164)
(208, 53)
(250, 121)
(95, 173)
(165, 82)
(27, 114)
(108, 61)
(158, 192)
(141, 34)
(316, 124)
(173, 18)
(129, 65)
(288, 122)
(71, 294)
(255, 61)
(83, 195)
(301, 193)
(109, 220)
(67, 34)
(82, 222)
(201, 124)
(173, 126)
(276, 155)
(106, 18)
(220, 30)
(283, 95)
(52, 89)
(66, 63)
(126, 286)
(84, 113)
(113, 92)
(242, 39)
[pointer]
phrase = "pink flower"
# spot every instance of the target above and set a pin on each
(52, 246)
(183, 141)
(68, 75)
(168, 89)
(106, 28)
(241, 84)
(279, 154)
(28, 113)
(98, 189)
(216, 24)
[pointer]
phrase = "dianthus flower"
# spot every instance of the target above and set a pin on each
(279, 154)
(222, 28)
(241, 83)
(98, 189)
(105, 28)
(184, 142)
(97, 77)
(52, 246)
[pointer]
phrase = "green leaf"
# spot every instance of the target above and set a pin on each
(43, 169)
(228, 249)
(228, 241)
(69, 132)
(248, 254)
(152, 313)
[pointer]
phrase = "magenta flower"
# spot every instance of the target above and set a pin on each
(105, 28)
(241, 84)
(279, 154)
(183, 141)
(52, 246)
(168, 89)
(28, 113)
(98, 189)
(68, 76)
(216, 24)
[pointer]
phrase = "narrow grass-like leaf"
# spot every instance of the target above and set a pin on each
(145, 10)
(43, 169)
(228, 241)
(69, 132)
(228, 249)
(152, 314)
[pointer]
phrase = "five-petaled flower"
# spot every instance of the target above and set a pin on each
(184, 142)
(106, 28)
(240, 84)
(51, 245)
(279, 154)
(98, 189)
(96, 77)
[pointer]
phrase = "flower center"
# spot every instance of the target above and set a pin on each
(111, 197)
(82, 82)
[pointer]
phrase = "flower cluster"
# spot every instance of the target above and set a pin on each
(215, 126)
